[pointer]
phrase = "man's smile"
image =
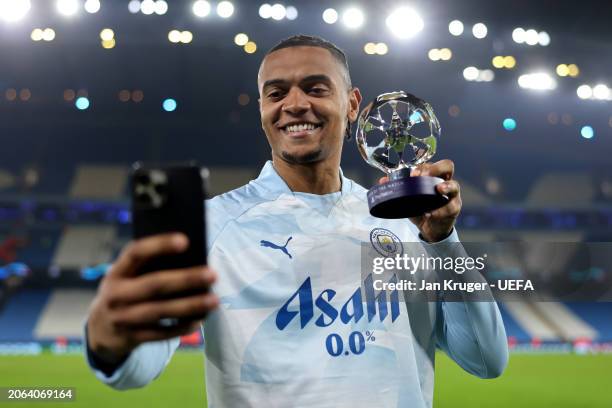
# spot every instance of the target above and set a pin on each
(300, 129)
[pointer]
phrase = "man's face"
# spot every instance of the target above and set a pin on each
(305, 103)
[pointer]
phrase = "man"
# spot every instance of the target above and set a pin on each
(286, 324)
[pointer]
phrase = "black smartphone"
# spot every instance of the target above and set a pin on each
(170, 198)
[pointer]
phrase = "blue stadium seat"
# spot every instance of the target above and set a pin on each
(20, 314)
(512, 327)
(597, 314)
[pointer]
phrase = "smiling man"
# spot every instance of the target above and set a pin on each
(307, 104)
(288, 324)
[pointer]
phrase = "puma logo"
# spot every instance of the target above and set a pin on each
(272, 245)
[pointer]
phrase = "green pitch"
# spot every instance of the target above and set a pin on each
(559, 381)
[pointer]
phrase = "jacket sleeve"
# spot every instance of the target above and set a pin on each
(144, 364)
(473, 335)
(471, 332)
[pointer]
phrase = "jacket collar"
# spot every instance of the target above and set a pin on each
(270, 181)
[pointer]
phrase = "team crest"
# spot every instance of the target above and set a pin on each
(385, 242)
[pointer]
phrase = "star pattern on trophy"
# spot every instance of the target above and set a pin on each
(403, 112)
(386, 128)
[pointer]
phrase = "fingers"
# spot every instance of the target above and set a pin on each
(138, 252)
(450, 210)
(155, 334)
(383, 180)
(449, 188)
(192, 307)
(443, 169)
(161, 284)
(452, 190)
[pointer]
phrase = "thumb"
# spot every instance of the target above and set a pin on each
(383, 180)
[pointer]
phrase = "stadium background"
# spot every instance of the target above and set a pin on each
(79, 104)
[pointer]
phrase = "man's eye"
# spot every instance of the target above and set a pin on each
(317, 90)
(274, 94)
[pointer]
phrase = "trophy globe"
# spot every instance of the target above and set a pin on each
(396, 133)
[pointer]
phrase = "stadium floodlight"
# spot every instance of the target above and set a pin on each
(370, 48)
(92, 6)
(37, 34)
(82, 103)
(225, 9)
(479, 30)
(147, 7)
(48, 34)
(134, 6)
(381, 48)
(540, 81)
(531, 37)
(475, 74)
(471, 73)
(445, 54)
(291, 13)
(241, 39)
(265, 11)
(498, 62)
(161, 7)
(174, 36)
(518, 35)
(278, 12)
(486, 75)
(25, 94)
(574, 71)
(562, 70)
(107, 34)
(330, 16)
(108, 45)
(544, 38)
(523, 81)
(169, 105)
(14, 10)
(587, 132)
(67, 7)
(455, 27)
(584, 92)
(404, 22)
(601, 91)
(353, 18)
(509, 124)
(201, 8)
(250, 47)
(186, 37)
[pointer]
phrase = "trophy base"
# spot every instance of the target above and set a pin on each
(405, 197)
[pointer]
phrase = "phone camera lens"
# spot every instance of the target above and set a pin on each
(143, 179)
(160, 189)
(143, 198)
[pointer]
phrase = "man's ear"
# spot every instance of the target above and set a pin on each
(354, 103)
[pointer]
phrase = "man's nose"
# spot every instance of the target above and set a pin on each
(296, 102)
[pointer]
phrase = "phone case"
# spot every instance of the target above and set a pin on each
(170, 199)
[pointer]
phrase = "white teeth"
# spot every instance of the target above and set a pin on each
(300, 127)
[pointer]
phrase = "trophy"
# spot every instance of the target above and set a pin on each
(389, 124)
